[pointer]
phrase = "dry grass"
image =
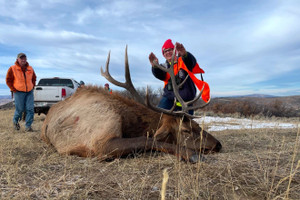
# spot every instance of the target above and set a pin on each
(254, 164)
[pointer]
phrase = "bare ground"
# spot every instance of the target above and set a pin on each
(254, 164)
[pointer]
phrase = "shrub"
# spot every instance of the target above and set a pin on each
(248, 108)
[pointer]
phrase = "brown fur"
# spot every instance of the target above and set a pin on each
(93, 122)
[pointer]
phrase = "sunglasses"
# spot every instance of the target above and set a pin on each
(168, 50)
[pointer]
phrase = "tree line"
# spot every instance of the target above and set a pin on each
(243, 107)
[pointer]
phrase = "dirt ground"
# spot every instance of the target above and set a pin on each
(254, 164)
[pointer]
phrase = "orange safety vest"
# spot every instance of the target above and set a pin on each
(22, 80)
(196, 70)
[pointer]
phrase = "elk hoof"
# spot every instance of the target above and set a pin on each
(196, 158)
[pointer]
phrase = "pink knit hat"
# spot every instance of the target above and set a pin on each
(167, 45)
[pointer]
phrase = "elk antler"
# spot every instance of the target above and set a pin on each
(128, 83)
(185, 105)
(171, 111)
(129, 86)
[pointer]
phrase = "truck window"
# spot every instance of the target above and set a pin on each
(56, 82)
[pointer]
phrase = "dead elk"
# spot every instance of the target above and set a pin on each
(93, 122)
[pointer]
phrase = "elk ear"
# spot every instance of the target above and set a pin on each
(162, 133)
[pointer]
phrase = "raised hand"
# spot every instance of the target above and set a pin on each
(152, 58)
(180, 49)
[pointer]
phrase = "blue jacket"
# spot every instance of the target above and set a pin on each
(188, 90)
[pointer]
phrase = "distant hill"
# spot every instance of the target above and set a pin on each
(4, 99)
(7, 105)
(288, 106)
(288, 101)
(253, 95)
(260, 95)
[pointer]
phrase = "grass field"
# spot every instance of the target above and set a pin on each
(254, 164)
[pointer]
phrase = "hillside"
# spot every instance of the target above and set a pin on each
(6, 105)
(289, 101)
(4, 99)
(267, 106)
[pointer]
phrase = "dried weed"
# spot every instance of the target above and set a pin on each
(254, 164)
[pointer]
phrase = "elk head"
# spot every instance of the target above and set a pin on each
(185, 132)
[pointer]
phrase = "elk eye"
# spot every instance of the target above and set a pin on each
(186, 131)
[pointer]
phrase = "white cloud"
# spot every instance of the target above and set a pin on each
(239, 45)
(84, 15)
(24, 35)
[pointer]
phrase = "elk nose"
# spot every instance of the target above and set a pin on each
(196, 158)
(218, 147)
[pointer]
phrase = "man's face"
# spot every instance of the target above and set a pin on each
(22, 61)
(168, 54)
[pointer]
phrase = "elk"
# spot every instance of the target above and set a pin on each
(95, 123)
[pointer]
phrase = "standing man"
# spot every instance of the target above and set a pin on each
(188, 89)
(20, 78)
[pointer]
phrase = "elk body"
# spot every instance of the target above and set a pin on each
(93, 122)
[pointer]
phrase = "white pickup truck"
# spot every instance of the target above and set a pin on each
(49, 91)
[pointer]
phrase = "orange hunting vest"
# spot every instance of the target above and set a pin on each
(196, 70)
(23, 81)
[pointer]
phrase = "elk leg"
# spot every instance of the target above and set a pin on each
(118, 147)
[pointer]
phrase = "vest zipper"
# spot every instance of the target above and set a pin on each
(25, 80)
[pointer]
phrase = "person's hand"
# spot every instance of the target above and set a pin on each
(153, 58)
(180, 49)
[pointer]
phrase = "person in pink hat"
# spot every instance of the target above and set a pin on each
(188, 89)
(106, 87)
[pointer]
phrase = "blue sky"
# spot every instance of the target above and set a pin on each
(245, 47)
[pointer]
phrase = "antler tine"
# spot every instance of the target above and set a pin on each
(149, 104)
(181, 84)
(174, 105)
(161, 67)
(128, 83)
(170, 112)
(174, 84)
(199, 106)
(173, 57)
(186, 104)
(194, 100)
(127, 72)
(107, 75)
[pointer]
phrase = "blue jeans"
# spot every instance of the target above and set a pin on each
(168, 104)
(24, 102)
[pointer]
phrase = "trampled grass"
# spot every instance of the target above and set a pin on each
(254, 164)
